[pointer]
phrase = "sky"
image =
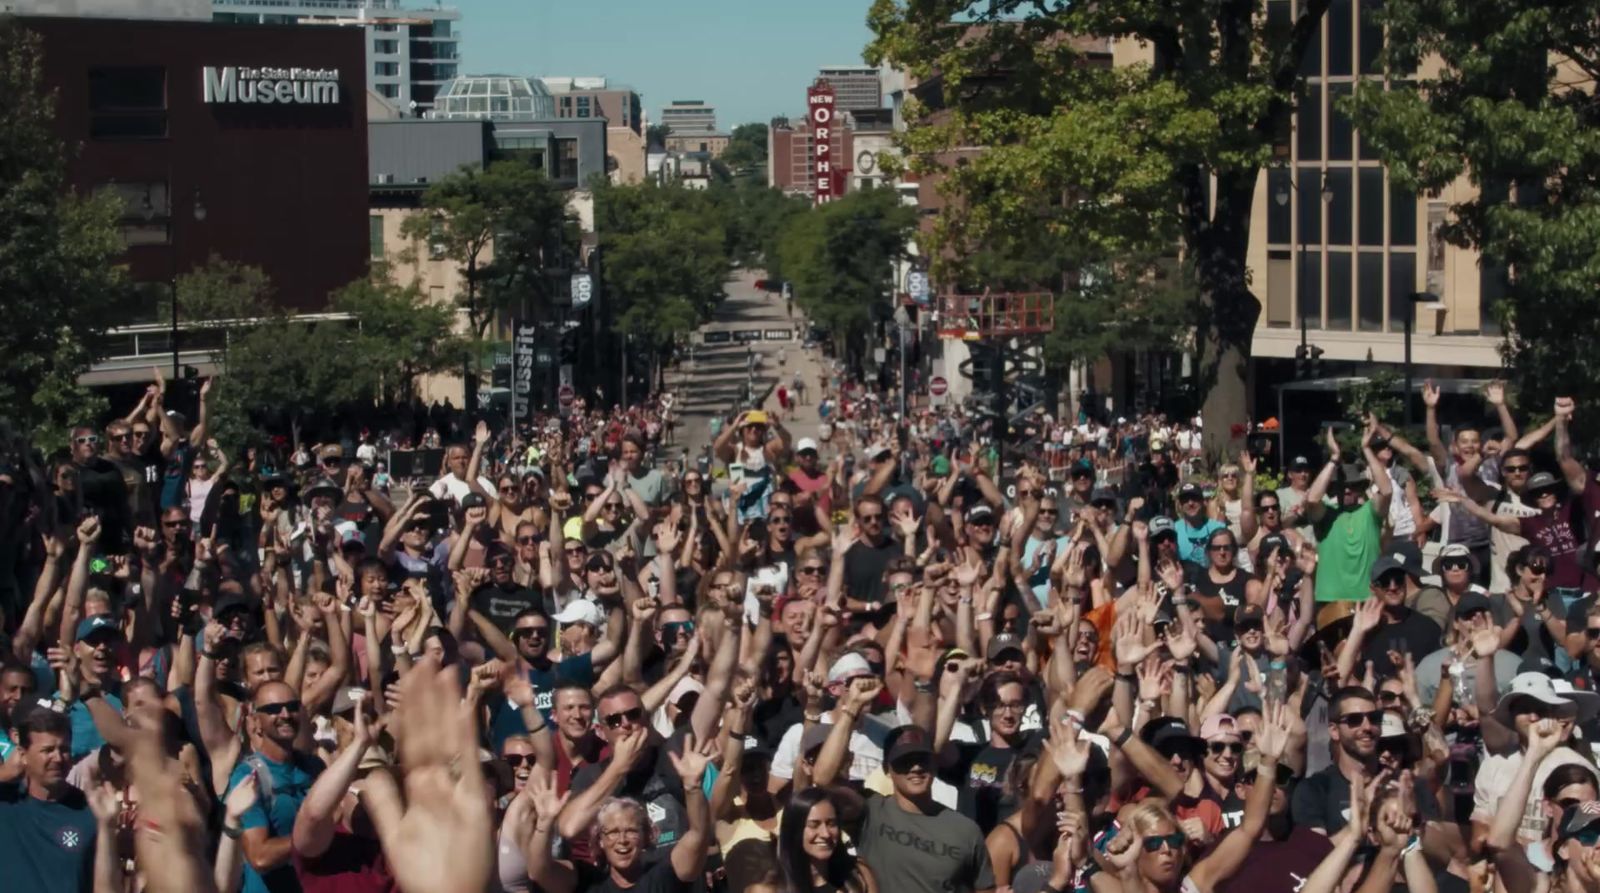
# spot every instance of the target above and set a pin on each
(752, 59)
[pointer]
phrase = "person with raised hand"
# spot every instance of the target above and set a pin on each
(440, 838)
(333, 837)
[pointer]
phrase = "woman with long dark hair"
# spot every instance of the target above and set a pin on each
(809, 852)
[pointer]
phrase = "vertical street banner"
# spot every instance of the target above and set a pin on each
(525, 336)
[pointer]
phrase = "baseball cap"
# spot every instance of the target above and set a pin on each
(88, 626)
(805, 443)
(980, 514)
(1102, 496)
(1165, 731)
(473, 501)
(756, 417)
(1160, 525)
(1001, 644)
(878, 451)
(1219, 725)
(1248, 613)
(1383, 566)
(1081, 468)
(229, 602)
(1299, 462)
(1351, 473)
(1191, 491)
(1408, 556)
(848, 666)
(1472, 601)
(332, 451)
(905, 741)
(581, 611)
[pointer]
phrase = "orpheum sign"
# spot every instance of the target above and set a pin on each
(228, 84)
(820, 112)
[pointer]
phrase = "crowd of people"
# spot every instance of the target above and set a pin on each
(867, 660)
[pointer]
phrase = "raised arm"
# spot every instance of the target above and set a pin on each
(1430, 400)
(1495, 393)
(1571, 468)
(1230, 854)
(689, 853)
(314, 823)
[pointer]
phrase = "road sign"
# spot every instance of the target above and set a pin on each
(937, 386)
(582, 289)
(565, 394)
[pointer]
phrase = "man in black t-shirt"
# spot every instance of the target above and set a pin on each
(867, 557)
(639, 767)
(1322, 801)
(502, 599)
(981, 771)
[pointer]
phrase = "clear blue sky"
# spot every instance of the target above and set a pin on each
(752, 59)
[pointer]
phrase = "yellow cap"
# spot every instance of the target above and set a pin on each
(573, 529)
(756, 417)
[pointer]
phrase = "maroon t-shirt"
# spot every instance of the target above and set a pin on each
(1559, 531)
(352, 864)
(1279, 866)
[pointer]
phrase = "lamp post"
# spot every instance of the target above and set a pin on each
(1412, 300)
(148, 211)
(1282, 198)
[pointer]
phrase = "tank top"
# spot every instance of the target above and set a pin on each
(1032, 872)
(1232, 595)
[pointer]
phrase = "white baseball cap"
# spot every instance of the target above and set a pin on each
(805, 443)
(581, 611)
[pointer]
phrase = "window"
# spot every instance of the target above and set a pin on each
(1310, 198)
(1369, 290)
(1311, 65)
(1341, 39)
(1402, 217)
(1339, 206)
(386, 69)
(566, 158)
(386, 47)
(128, 103)
(441, 28)
(1370, 31)
(1492, 288)
(583, 106)
(1279, 195)
(1310, 287)
(436, 248)
(1341, 132)
(1402, 282)
(389, 91)
(1339, 291)
(1370, 182)
(1309, 123)
(375, 236)
(1280, 289)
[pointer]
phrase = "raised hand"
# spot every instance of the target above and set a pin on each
(543, 796)
(1544, 737)
(1069, 750)
(437, 838)
(1430, 394)
(691, 764)
(1495, 393)
(89, 530)
(1367, 617)
(1276, 725)
(241, 798)
(480, 434)
(1181, 642)
(1565, 406)
(169, 839)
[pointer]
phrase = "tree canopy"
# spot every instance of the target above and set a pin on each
(59, 273)
(1125, 163)
(1512, 112)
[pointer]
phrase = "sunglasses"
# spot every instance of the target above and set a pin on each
(632, 715)
(1391, 584)
(1218, 748)
(527, 540)
(1049, 511)
(866, 517)
(575, 551)
(175, 524)
(1173, 841)
(1538, 568)
(278, 707)
(811, 570)
(1222, 547)
(1389, 697)
(516, 760)
(1454, 564)
(126, 435)
(1592, 632)
(1356, 720)
(673, 630)
(598, 565)
(141, 432)
(1515, 469)
(1270, 507)
(528, 632)
(778, 519)
(501, 561)
(332, 460)
(612, 507)
(92, 438)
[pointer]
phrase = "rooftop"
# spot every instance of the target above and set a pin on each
(497, 97)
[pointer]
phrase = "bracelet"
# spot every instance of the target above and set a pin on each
(1276, 664)
(233, 832)
(1126, 677)
(399, 650)
(986, 615)
(1123, 736)
(738, 734)
(924, 686)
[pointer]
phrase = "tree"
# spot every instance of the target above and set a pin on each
(746, 154)
(58, 252)
(1129, 161)
(291, 367)
(655, 136)
(400, 335)
(664, 262)
(839, 258)
(1512, 109)
(509, 229)
(222, 292)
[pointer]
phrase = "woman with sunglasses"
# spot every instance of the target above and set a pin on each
(1151, 851)
(202, 481)
(1235, 490)
(1565, 790)
(1526, 603)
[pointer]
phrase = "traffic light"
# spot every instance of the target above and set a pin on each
(1316, 361)
(1301, 366)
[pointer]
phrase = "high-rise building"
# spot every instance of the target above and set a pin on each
(411, 52)
(856, 87)
(690, 116)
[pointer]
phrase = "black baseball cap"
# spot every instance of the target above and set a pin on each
(907, 740)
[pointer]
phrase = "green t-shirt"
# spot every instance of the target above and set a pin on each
(1348, 542)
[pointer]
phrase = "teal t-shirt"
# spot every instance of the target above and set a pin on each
(281, 788)
(1192, 540)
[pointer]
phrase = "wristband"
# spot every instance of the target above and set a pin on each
(924, 686)
(232, 832)
(986, 615)
(1126, 677)
(1123, 736)
(1276, 664)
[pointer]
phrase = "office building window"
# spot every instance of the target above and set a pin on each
(1341, 131)
(1370, 34)
(441, 28)
(1280, 289)
(566, 158)
(386, 47)
(1341, 38)
(1339, 291)
(1339, 206)
(375, 236)
(1369, 290)
(1308, 123)
(436, 246)
(385, 29)
(1370, 184)
(389, 91)
(1278, 210)
(1311, 63)
(1402, 217)
(128, 103)
(1309, 198)
(583, 106)
(1310, 286)
(386, 69)
(1402, 282)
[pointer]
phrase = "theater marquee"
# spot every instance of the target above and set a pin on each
(820, 113)
(233, 84)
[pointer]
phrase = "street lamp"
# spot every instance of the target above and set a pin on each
(902, 324)
(1413, 301)
(147, 209)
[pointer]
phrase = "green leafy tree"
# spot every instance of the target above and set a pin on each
(839, 258)
(664, 262)
(746, 154)
(292, 368)
(58, 257)
(655, 136)
(509, 229)
(1128, 161)
(1512, 109)
(401, 335)
(222, 293)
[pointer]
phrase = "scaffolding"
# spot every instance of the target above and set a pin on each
(995, 315)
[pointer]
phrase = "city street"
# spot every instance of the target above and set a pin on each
(713, 381)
